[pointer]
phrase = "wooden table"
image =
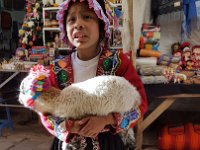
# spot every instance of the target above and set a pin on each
(14, 74)
(171, 93)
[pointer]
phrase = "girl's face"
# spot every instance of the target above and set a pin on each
(82, 27)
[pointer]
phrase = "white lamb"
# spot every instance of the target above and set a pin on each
(97, 96)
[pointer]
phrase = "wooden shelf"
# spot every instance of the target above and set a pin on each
(115, 4)
(51, 8)
(51, 11)
(115, 47)
(63, 48)
(51, 29)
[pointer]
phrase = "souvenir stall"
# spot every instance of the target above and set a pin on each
(21, 47)
(160, 37)
(168, 63)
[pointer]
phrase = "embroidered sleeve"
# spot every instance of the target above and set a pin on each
(56, 126)
(39, 80)
(130, 118)
(126, 120)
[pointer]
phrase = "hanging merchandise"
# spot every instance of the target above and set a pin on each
(7, 4)
(191, 13)
(30, 33)
(198, 9)
(150, 37)
(166, 10)
(19, 5)
(114, 14)
(6, 20)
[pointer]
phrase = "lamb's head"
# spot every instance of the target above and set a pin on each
(33, 85)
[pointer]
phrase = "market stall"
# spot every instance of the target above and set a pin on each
(166, 56)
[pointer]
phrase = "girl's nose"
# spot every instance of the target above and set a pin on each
(79, 24)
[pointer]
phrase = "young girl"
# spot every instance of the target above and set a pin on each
(85, 27)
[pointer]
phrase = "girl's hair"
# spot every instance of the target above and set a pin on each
(101, 22)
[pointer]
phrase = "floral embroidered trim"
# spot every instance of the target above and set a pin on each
(134, 116)
(56, 69)
(116, 62)
(127, 120)
(95, 143)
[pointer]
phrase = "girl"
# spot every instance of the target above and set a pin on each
(85, 27)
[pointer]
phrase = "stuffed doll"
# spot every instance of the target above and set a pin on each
(97, 96)
(186, 54)
(175, 49)
(196, 56)
(21, 54)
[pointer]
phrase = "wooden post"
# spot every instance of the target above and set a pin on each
(128, 29)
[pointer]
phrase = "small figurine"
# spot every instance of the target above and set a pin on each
(189, 65)
(196, 56)
(185, 46)
(186, 53)
(175, 48)
(57, 41)
(48, 4)
(21, 54)
(117, 41)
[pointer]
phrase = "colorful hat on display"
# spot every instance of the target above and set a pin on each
(92, 4)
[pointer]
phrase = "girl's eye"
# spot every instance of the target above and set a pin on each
(87, 17)
(71, 19)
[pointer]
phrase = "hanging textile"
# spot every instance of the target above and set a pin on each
(191, 13)
(7, 4)
(166, 10)
(19, 5)
(6, 20)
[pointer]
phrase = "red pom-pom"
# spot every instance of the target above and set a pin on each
(39, 70)
(184, 44)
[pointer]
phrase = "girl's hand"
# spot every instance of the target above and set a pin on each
(91, 126)
(73, 126)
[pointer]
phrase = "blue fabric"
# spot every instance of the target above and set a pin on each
(190, 13)
(117, 12)
(190, 9)
(37, 94)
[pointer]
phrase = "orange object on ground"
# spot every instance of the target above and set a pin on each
(180, 137)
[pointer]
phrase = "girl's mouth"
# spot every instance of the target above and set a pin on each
(79, 37)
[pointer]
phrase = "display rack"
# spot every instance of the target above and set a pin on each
(116, 35)
(50, 11)
(51, 28)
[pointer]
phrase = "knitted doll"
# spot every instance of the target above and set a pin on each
(175, 48)
(186, 53)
